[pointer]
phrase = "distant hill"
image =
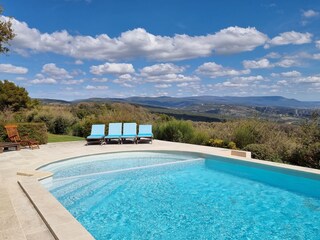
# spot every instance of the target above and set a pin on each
(172, 102)
(53, 101)
(214, 109)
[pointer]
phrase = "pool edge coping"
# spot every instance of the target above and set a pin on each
(57, 218)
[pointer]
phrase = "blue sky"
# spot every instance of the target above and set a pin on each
(75, 49)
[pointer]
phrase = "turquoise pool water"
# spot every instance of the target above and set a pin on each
(181, 196)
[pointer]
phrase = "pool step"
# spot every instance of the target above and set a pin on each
(90, 199)
(74, 184)
(72, 194)
(55, 186)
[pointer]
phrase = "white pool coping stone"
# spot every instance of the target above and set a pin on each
(21, 166)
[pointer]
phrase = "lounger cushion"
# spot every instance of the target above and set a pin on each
(145, 135)
(113, 136)
(95, 136)
(129, 136)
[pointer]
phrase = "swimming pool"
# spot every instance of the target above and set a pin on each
(165, 195)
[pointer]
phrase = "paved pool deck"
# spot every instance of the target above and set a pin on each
(29, 211)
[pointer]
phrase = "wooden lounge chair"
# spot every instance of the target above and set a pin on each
(13, 135)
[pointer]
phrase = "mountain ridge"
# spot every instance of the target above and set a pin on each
(181, 102)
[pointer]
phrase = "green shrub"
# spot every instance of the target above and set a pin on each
(232, 145)
(246, 134)
(200, 137)
(7, 116)
(60, 125)
(216, 142)
(45, 117)
(83, 110)
(308, 156)
(3, 134)
(175, 131)
(259, 151)
(36, 131)
(263, 152)
(222, 143)
(83, 127)
(58, 119)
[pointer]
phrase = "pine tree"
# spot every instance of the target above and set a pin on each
(6, 34)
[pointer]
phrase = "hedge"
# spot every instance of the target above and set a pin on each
(36, 131)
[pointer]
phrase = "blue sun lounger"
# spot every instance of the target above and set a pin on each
(114, 132)
(145, 132)
(129, 132)
(97, 134)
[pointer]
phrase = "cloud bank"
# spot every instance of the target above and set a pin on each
(135, 43)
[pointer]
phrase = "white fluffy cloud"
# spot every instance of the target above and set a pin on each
(292, 37)
(72, 82)
(213, 70)
(248, 79)
(183, 84)
(78, 62)
(9, 68)
(51, 74)
(282, 83)
(163, 85)
(262, 63)
(310, 13)
(286, 63)
(53, 71)
(171, 78)
(91, 87)
(236, 39)
(310, 79)
(230, 84)
(165, 73)
(127, 85)
(161, 69)
(43, 81)
(239, 82)
(291, 74)
(112, 68)
(318, 44)
(273, 55)
(136, 43)
(316, 56)
(100, 80)
(126, 80)
(265, 63)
